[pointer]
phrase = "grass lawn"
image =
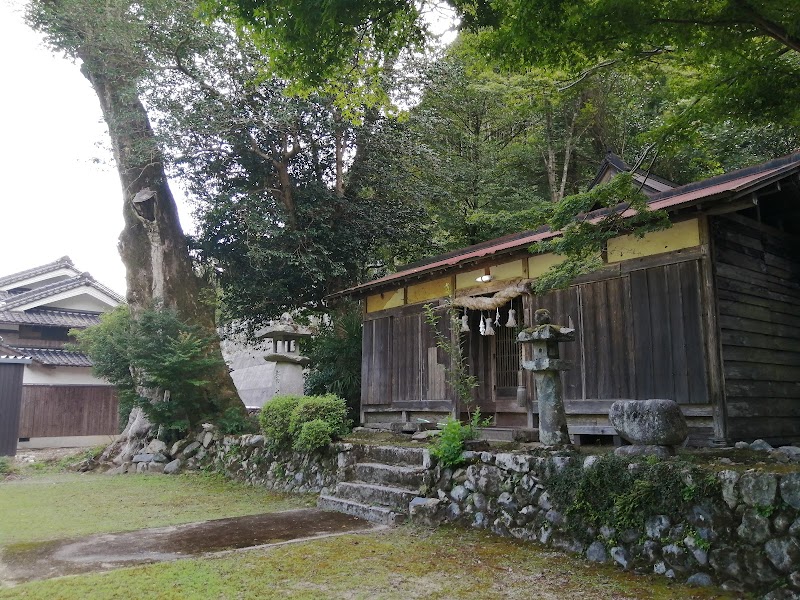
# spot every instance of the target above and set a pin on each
(399, 563)
(53, 506)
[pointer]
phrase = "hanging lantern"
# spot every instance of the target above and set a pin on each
(489, 328)
(512, 318)
(464, 322)
(483, 326)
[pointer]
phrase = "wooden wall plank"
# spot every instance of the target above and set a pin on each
(759, 304)
(642, 334)
(55, 411)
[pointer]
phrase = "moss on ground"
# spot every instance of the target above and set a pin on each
(394, 564)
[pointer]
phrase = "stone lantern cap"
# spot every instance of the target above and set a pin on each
(292, 359)
(544, 339)
(547, 333)
(285, 330)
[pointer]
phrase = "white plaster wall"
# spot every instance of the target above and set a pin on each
(38, 375)
(81, 302)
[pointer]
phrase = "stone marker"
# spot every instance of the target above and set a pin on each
(546, 364)
(656, 422)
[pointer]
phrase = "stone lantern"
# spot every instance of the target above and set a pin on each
(543, 340)
(287, 375)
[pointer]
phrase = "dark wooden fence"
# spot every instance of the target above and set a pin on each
(68, 410)
(10, 396)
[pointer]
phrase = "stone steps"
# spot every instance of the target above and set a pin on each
(374, 514)
(384, 480)
(394, 475)
(376, 495)
(396, 455)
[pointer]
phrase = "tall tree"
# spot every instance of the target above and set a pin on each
(750, 49)
(113, 42)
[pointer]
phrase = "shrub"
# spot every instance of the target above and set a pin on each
(275, 418)
(234, 422)
(328, 408)
(284, 421)
(166, 354)
(313, 435)
(450, 444)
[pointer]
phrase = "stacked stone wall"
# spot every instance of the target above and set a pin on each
(745, 536)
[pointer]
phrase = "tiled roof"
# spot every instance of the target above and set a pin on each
(64, 261)
(57, 288)
(12, 355)
(723, 186)
(56, 358)
(54, 318)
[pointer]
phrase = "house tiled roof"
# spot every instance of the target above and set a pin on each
(56, 358)
(64, 261)
(57, 288)
(12, 355)
(720, 188)
(53, 318)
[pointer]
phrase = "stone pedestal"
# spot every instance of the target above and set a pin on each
(546, 364)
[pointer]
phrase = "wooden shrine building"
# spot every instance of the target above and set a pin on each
(706, 313)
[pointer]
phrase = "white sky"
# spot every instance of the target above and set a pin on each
(60, 192)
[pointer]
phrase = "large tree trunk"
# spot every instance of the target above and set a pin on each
(152, 244)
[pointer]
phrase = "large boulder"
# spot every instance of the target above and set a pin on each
(656, 422)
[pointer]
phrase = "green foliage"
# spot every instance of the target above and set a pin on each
(313, 435)
(6, 465)
(329, 408)
(335, 355)
(161, 356)
(275, 419)
(746, 54)
(611, 494)
(287, 421)
(107, 346)
(582, 242)
(318, 44)
(765, 511)
(450, 443)
(235, 422)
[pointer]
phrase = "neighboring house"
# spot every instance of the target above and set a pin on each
(60, 395)
(706, 313)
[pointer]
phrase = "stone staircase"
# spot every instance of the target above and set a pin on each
(380, 485)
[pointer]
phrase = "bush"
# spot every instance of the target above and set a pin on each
(234, 422)
(313, 435)
(6, 466)
(328, 408)
(294, 421)
(275, 418)
(450, 444)
(167, 355)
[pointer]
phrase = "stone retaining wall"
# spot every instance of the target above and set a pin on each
(746, 536)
